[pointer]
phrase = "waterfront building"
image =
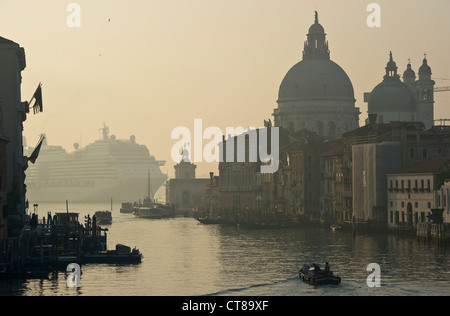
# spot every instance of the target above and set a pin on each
(291, 194)
(316, 93)
(370, 162)
(407, 101)
(443, 202)
(336, 185)
(13, 113)
(415, 191)
(186, 193)
(297, 186)
(239, 181)
(3, 174)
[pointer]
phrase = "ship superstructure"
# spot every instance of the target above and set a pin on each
(107, 168)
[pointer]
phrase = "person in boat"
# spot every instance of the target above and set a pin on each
(316, 269)
(327, 268)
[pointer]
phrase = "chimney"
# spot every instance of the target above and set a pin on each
(372, 119)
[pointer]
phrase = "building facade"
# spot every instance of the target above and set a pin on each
(186, 193)
(14, 113)
(3, 181)
(415, 192)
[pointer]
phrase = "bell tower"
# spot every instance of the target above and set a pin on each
(425, 95)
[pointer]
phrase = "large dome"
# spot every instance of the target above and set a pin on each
(316, 94)
(316, 78)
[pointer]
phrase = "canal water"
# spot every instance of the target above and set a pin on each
(185, 258)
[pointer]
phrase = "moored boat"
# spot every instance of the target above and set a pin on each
(314, 275)
(103, 217)
(127, 207)
(211, 220)
(121, 255)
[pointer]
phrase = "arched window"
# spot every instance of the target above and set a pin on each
(320, 128)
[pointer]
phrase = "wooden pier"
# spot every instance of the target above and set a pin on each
(56, 241)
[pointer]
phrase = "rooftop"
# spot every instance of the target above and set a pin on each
(427, 166)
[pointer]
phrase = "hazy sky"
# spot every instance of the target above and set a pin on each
(159, 64)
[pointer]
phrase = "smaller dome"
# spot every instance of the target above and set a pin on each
(391, 96)
(425, 69)
(409, 73)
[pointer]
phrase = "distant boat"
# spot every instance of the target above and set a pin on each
(106, 168)
(149, 208)
(122, 254)
(151, 212)
(211, 220)
(103, 217)
(127, 207)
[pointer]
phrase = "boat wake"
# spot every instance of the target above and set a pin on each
(295, 287)
(255, 289)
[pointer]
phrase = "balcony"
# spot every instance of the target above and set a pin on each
(347, 194)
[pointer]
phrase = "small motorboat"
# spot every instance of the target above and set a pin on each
(314, 275)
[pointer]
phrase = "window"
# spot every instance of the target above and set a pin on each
(411, 153)
(403, 204)
(416, 204)
(425, 153)
(428, 184)
(422, 184)
(409, 184)
(403, 184)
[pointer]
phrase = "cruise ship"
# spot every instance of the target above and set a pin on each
(107, 169)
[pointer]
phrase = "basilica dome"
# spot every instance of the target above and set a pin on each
(316, 94)
(314, 78)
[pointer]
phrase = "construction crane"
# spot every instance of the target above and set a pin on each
(441, 89)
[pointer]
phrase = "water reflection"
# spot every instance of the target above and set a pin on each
(183, 257)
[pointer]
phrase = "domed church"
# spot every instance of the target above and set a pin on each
(316, 93)
(407, 101)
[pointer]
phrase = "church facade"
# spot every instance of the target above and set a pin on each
(409, 100)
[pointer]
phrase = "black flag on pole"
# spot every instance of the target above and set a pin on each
(37, 96)
(35, 153)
